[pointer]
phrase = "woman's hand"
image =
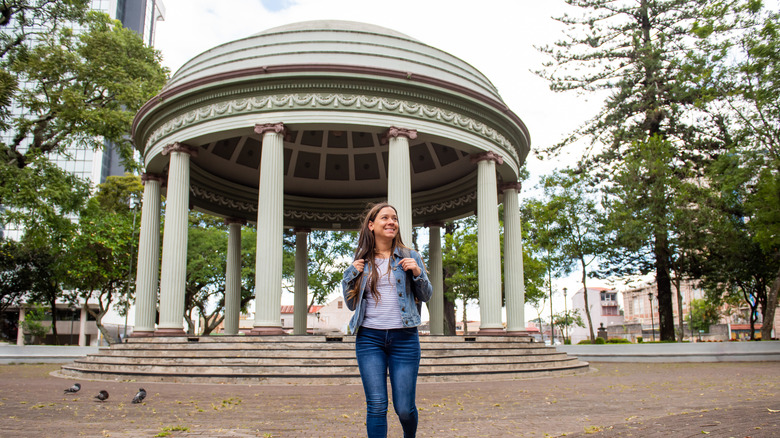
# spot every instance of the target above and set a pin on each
(408, 264)
(359, 264)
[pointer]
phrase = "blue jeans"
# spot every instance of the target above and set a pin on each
(396, 350)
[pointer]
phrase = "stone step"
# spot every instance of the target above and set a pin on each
(568, 369)
(289, 353)
(350, 345)
(306, 370)
(318, 361)
(219, 339)
(312, 360)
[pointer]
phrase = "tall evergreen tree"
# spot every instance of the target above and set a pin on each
(633, 51)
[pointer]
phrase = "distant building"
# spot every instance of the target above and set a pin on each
(604, 309)
(332, 317)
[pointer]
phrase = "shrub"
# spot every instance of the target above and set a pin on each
(639, 339)
(584, 341)
(599, 341)
(618, 341)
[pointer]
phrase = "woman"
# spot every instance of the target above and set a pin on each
(384, 286)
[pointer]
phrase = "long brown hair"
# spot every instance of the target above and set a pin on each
(366, 250)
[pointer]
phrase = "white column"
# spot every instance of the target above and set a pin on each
(147, 273)
(513, 261)
(174, 253)
(436, 276)
(233, 276)
(83, 316)
(301, 290)
(270, 223)
(20, 330)
(399, 179)
(489, 245)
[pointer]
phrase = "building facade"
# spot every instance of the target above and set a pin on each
(604, 310)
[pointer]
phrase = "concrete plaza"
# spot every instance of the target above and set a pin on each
(735, 399)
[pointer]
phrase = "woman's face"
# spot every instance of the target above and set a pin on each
(385, 224)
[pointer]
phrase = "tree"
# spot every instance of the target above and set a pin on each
(740, 74)
(80, 89)
(20, 22)
(32, 323)
(329, 255)
(703, 314)
(98, 258)
(460, 261)
(206, 263)
(634, 52)
(568, 225)
(567, 319)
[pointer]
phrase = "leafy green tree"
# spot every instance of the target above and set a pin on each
(17, 273)
(97, 265)
(460, 261)
(634, 52)
(102, 76)
(206, 263)
(330, 253)
(737, 69)
(33, 322)
(568, 319)
(703, 314)
(568, 226)
(23, 21)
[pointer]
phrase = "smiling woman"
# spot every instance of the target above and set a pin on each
(386, 325)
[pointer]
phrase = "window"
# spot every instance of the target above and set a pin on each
(340, 304)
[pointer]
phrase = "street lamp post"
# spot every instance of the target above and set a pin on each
(565, 315)
(652, 323)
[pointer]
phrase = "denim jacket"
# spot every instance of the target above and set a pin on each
(407, 285)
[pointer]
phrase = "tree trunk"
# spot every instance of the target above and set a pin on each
(53, 304)
(769, 312)
(465, 320)
(587, 306)
(109, 337)
(680, 316)
(665, 313)
(449, 317)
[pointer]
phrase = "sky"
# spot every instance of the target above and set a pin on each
(495, 36)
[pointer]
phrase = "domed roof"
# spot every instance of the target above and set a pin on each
(340, 25)
(327, 45)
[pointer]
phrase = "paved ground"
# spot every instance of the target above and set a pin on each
(616, 399)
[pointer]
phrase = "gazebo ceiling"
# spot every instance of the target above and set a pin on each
(337, 87)
(328, 163)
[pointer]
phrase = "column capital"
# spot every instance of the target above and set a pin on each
(278, 128)
(396, 132)
(487, 156)
(151, 177)
(510, 186)
(235, 220)
(180, 147)
(434, 224)
(297, 230)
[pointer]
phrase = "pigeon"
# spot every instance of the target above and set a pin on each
(140, 396)
(73, 389)
(102, 396)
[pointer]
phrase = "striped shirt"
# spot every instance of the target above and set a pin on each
(386, 313)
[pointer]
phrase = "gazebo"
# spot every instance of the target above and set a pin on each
(303, 125)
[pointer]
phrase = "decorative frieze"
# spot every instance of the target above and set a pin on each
(330, 101)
